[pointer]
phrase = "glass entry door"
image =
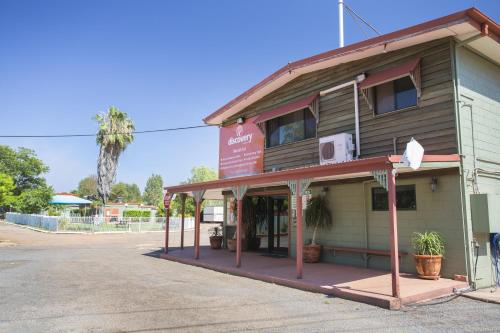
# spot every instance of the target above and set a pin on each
(272, 229)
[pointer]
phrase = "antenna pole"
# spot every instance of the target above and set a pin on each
(341, 23)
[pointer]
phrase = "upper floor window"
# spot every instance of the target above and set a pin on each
(291, 127)
(395, 95)
(393, 89)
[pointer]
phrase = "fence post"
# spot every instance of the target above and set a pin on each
(140, 224)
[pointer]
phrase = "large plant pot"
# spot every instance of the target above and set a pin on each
(428, 267)
(231, 245)
(254, 244)
(312, 253)
(215, 242)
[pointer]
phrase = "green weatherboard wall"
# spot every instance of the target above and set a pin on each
(351, 208)
(478, 108)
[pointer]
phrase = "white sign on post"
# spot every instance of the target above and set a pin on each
(413, 154)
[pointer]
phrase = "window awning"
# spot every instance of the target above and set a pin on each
(309, 102)
(411, 69)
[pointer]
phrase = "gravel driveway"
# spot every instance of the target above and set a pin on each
(112, 283)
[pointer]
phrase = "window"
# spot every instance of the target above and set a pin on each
(405, 198)
(395, 95)
(289, 128)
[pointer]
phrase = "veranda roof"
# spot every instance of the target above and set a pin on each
(64, 199)
(352, 169)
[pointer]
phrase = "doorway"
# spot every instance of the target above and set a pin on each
(271, 223)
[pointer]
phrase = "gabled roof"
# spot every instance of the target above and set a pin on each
(462, 25)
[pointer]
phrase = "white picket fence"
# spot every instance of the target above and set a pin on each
(99, 224)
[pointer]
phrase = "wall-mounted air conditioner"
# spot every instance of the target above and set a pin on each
(335, 148)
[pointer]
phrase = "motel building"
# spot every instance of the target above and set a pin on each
(336, 124)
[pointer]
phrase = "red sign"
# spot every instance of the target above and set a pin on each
(241, 150)
(166, 200)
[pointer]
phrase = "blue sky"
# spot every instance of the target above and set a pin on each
(165, 63)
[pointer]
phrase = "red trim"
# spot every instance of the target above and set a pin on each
(299, 241)
(197, 230)
(390, 74)
(363, 165)
(472, 15)
(429, 158)
(393, 227)
(239, 226)
(167, 227)
(286, 109)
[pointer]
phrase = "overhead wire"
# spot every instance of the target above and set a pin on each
(95, 134)
(352, 12)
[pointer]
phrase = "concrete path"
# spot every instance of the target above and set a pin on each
(109, 283)
(486, 295)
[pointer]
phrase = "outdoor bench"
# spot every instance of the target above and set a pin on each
(367, 253)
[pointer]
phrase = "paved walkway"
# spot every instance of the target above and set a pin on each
(356, 283)
(111, 283)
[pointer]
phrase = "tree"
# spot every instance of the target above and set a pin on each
(125, 192)
(87, 187)
(115, 134)
(201, 173)
(198, 174)
(153, 192)
(33, 201)
(7, 188)
(23, 166)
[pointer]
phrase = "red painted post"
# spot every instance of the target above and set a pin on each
(393, 220)
(167, 228)
(197, 231)
(299, 247)
(183, 211)
(238, 229)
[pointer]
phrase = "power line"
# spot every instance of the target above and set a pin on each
(95, 134)
(361, 19)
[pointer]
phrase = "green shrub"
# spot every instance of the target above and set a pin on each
(53, 211)
(136, 213)
(63, 223)
(428, 243)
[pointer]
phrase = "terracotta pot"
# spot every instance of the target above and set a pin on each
(312, 253)
(215, 242)
(231, 245)
(428, 267)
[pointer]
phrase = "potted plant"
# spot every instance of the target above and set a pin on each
(429, 250)
(231, 243)
(317, 216)
(215, 238)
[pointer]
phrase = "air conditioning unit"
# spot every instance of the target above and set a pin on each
(335, 148)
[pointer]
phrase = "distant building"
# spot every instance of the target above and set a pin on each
(117, 209)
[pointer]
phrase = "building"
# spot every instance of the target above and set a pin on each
(437, 82)
(118, 210)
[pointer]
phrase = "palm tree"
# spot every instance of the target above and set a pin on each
(115, 134)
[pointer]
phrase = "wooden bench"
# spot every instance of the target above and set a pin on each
(367, 253)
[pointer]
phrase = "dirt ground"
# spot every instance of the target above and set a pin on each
(116, 283)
